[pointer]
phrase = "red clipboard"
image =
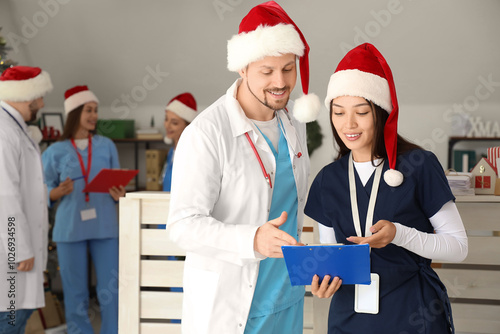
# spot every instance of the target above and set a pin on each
(108, 178)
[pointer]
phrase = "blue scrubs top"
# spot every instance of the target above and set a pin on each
(274, 292)
(167, 179)
(61, 161)
(410, 290)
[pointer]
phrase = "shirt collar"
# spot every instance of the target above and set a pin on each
(239, 122)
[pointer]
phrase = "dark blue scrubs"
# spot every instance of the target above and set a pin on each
(412, 297)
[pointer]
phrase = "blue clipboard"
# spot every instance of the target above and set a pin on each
(349, 262)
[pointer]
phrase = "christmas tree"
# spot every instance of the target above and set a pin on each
(4, 62)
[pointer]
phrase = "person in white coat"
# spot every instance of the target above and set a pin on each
(239, 186)
(23, 202)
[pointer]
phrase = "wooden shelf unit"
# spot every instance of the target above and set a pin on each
(474, 284)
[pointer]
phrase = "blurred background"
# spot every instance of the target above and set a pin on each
(137, 55)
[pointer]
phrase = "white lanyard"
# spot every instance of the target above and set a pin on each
(354, 200)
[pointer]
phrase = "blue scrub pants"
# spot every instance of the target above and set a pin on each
(16, 327)
(73, 262)
(289, 320)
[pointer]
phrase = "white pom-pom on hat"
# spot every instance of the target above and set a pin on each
(35, 133)
(306, 108)
(167, 140)
(393, 178)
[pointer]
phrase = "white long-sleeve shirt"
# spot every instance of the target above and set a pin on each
(448, 243)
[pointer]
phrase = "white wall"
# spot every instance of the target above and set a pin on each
(441, 53)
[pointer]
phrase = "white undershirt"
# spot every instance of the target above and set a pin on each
(82, 143)
(270, 129)
(449, 243)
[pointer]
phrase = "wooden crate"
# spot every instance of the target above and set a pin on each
(145, 307)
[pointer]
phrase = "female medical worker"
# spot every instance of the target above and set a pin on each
(412, 209)
(180, 111)
(84, 220)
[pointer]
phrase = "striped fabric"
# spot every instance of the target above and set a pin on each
(494, 156)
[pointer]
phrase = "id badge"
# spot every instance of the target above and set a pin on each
(366, 297)
(88, 214)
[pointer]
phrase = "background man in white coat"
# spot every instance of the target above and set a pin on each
(23, 202)
(239, 184)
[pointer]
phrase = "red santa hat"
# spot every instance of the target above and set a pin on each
(77, 96)
(267, 30)
(184, 105)
(365, 73)
(24, 83)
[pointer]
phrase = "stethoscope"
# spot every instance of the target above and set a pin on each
(282, 129)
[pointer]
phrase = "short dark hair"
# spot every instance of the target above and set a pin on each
(378, 150)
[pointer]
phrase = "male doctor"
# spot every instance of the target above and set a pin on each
(239, 185)
(23, 203)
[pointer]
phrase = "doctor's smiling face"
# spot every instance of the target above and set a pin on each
(354, 121)
(267, 85)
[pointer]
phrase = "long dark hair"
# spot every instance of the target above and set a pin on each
(73, 123)
(378, 150)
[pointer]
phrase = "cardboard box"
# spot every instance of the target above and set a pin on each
(45, 317)
(155, 160)
(116, 128)
(50, 314)
(153, 183)
(34, 324)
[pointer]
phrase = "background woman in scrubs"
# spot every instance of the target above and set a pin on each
(85, 222)
(180, 111)
(411, 207)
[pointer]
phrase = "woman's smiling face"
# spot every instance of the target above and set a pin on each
(354, 120)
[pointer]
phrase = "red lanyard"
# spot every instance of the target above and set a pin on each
(89, 163)
(266, 174)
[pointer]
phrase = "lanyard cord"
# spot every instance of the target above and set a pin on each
(266, 175)
(82, 166)
(354, 200)
(15, 120)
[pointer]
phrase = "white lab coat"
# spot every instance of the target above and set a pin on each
(219, 198)
(23, 198)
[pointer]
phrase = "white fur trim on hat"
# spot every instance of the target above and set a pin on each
(246, 48)
(78, 99)
(362, 84)
(182, 110)
(306, 108)
(26, 90)
(393, 177)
